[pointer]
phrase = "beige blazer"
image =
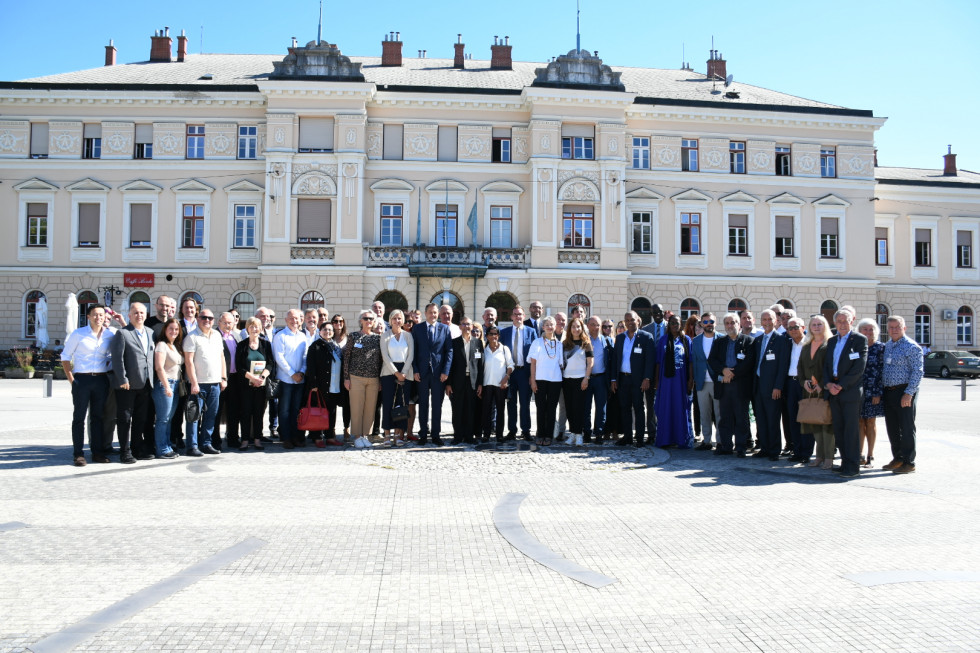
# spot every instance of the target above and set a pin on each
(387, 367)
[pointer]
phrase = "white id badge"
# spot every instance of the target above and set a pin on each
(477, 355)
(888, 361)
(741, 357)
(638, 350)
(770, 356)
(854, 355)
(358, 345)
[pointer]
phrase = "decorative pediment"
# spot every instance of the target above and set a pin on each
(502, 187)
(786, 198)
(644, 193)
(140, 185)
(243, 186)
(691, 195)
(392, 184)
(578, 68)
(578, 189)
(739, 197)
(320, 60)
(441, 186)
(192, 186)
(88, 184)
(831, 200)
(314, 182)
(35, 184)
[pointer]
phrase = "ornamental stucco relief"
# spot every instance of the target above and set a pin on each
(807, 163)
(613, 145)
(374, 144)
(315, 183)
(169, 143)
(116, 144)
(546, 142)
(279, 136)
(578, 191)
(420, 145)
(856, 164)
(351, 136)
(476, 146)
(221, 144)
(666, 155)
(714, 158)
(9, 140)
(520, 147)
(65, 142)
(761, 159)
(565, 175)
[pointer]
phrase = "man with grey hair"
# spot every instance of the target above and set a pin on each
(778, 310)
(289, 349)
(843, 375)
(632, 374)
(731, 362)
(771, 365)
(489, 318)
(901, 374)
(131, 350)
(794, 391)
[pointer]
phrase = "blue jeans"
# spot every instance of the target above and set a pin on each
(597, 391)
(165, 408)
(207, 399)
(290, 399)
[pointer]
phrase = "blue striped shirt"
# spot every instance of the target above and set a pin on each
(903, 364)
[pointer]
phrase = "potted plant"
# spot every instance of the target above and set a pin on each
(23, 369)
(59, 372)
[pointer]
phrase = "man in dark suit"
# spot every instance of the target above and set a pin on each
(772, 352)
(132, 377)
(518, 337)
(731, 363)
(603, 351)
(704, 381)
(433, 362)
(464, 378)
(537, 313)
(843, 373)
(633, 358)
(657, 328)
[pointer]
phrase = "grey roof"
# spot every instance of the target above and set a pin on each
(926, 177)
(677, 86)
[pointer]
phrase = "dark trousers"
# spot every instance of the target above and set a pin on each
(519, 388)
(574, 404)
(791, 428)
(229, 407)
(767, 418)
(546, 400)
(466, 414)
(631, 415)
(273, 414)
(494, 398)
(290, 399)
(88, 393)
(391, 393)
(651, 400)
(900, 423)
(597, 394)
(430, 389)
(846, 415)
(252, 402)
(734, 420)
(131, 407)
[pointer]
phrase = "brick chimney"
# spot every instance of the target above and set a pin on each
(949, 162)
(717, 67)
(500, 54)
(459, 59)
(391, 49)
(110, 54)
(181, 46)
(160, 44)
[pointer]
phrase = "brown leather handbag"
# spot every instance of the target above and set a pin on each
(814, 410)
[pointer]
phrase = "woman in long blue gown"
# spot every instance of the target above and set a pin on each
(674, 383)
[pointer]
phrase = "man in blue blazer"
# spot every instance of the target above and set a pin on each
(732, 362)
(518, 338)
(772, 352)
(433, 361)
(704, 382)
(633, 358)
(843, 376)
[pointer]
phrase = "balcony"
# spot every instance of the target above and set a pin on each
(578, 257)
(311, 253)
(423, 260)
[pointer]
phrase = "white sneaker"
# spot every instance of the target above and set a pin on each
(362, 442)
(578, 440)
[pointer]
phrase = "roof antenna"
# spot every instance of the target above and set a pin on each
(319, 25)
(202, 39)
(578, 31)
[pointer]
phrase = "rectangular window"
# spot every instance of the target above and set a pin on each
(315, 135)
(641, 153)
(313, 221)
(964, 329)
(690, 233)
(736, 155)
(391, 225)
(500, 227)
(964, 249)
(828, 238)
(577, 147)
(446, 225)
(244, 226)
(784, 237)
(881, 246)
(783, 159)
(501, 145)
(195, 141)
(144, 142)
(738, 235)
(39, 140)
(248, 141)
(394, 136)
(689, 154)
(140, 225)
(88, 225)
(642, 232)
(828, 162)
(92, 141)
(923, 328)
(192, 226)
(577, 227)
(923, 248)
(447, 144)
(37, 224)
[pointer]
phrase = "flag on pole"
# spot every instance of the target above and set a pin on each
(471, 223)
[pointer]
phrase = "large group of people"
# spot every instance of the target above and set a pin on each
(166, 384)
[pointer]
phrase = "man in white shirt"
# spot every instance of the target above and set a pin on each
(794, 391)
(289, 347)
(85, 360)
(204, 362)
(311, 325)
(708, 405)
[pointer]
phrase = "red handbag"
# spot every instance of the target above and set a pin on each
(313, 418)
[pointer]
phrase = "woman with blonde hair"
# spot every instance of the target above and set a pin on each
(397, 354)
(362, 371)
(810, 375)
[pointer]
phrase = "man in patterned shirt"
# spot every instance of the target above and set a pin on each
(901, 375)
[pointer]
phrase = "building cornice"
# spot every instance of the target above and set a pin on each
(816, 282)
(132, 95)
(775, 116)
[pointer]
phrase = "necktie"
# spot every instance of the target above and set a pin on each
(762, 354)
(518, 349)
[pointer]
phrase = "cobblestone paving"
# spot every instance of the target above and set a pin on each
(396, 550)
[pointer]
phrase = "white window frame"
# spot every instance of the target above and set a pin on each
(147, 254)
(790, 206)
(930, 222)
(739, 203)
(500, 193)
(192, 193)
(23, 314)
(38, 253)
(248, 137)
(830, 151)
(957, 223)
(648, 226)
(971, 324)
(886, 221)
(401, 196)
(639, 149)
(491, 219)
(917, 326)
(831, 207)
(244, 193)
(457, 196)
(691, 201)
(381, 219)
(644, 200)
(88, 254)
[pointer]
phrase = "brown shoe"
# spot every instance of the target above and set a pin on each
(99, 459)
(906, 468)
(288, 444)
(80, 461)
(895, 464)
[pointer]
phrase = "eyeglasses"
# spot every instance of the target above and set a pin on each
(607, 326)
(337, 321)
(209, 318)
(793, 328)
(368, 318)
(707, 322)
(272, 316)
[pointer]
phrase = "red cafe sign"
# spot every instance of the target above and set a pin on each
(139, 280)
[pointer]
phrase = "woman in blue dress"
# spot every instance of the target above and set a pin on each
(674, 382)
(872, 407)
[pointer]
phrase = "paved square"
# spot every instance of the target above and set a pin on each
(397, 550)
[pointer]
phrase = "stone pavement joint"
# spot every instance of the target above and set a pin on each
(872, 578)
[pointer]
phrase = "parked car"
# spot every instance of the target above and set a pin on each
(952, 363)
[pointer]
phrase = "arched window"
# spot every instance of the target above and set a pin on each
(30, 312)
(86, 298)
(642, 307)
(504, 302)
(451, 299)
(964, 326)
(785, 303)
(578, 299)
(881, 317)
(737, 306)
(392, 299)
(689, 307)
(142, 298)
(311, 299)
(827, 309)
(190, 294)
(923, 325)
(244, 303)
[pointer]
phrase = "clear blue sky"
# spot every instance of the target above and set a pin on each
(913, 62)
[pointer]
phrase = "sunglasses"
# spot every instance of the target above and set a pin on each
(337, 321)
(205, 317)
(708, 322)
(794, 328)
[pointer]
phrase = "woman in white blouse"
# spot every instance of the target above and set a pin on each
(577, 352)
(397, 352)
(498, 365)
(545, 357)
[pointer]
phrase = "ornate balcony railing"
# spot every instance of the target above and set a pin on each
(311, 252)
(391, 256)
(578, 256)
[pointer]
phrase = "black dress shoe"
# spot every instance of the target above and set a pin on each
(209, 449)
(265, 439)
(126, 459)
(194, 453)
(457, 441)
(624, 442)
(422, 442)
(639, 444)
(111, 452)
(99, 459)
(437, 442)
(740, 454)
(170, 455)
(720, 452)
(760, 454)
(145, 456)
(526, 436)
(704, 446)
(774, 458)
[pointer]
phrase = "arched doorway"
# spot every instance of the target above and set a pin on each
(642, 307)
(785, 303)
(737, 306)
(311, 300)
(689, 307)
(86, 299)
(923, 325)
(827, 309)
(881, 317)
(964, 326)
(392, 299)
(579, 299)
(451, 299)
(244, 303)
(504, 302)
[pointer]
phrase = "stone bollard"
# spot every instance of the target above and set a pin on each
(962, 388)
(48, 385)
